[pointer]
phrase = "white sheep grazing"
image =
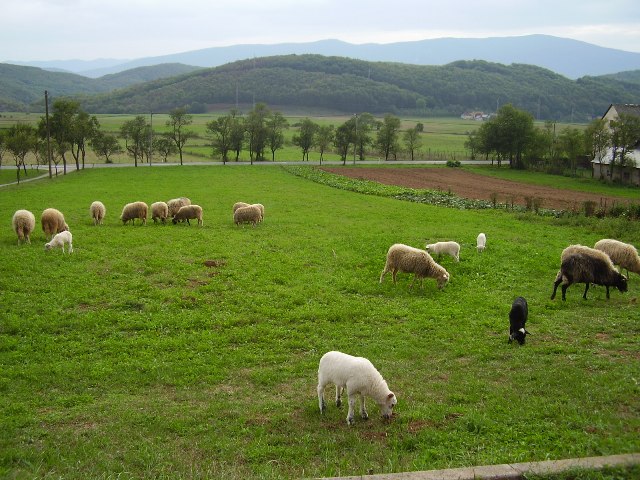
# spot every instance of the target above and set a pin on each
(261, 207)
(98, 212)
(413, 260)
(23, 223)
(175, 203)
(250, 214)
(159, 211)
(134, 210)
(481, 242)
(448, 248)
(59, 240)
(188, 212)
(359, 377)
(622, 254)
(52, 222)
(238, 205)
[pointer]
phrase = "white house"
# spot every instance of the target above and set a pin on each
(602, 165)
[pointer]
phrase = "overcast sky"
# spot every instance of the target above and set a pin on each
(128, 29)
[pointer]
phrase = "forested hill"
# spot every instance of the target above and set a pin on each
(22, 86)
(347, 85)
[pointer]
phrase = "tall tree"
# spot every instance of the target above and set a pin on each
(178, 119)
(276, 124)
(105, 145)
(597, 139)
(164, 146)
(342, 139)
(364, 124)
(221, 130)
(84, 127)
(412, 141)
(305, 139)
(324, 138)
(237, 133)
(71, 127)
(21, 139)
(136, 137)
(571, 142)
(387, 138)
(257, 131)
(3, 145)
(515, 129)
(625, 134)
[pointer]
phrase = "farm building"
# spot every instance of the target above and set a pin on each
(602, 164)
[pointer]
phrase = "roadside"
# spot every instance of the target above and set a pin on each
(513, 471)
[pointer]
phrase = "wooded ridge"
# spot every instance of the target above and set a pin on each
(346, 85)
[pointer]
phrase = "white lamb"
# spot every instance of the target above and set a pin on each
(408, 259)
(481, 242)
(448, 248)
(59, 240)
(360, 377)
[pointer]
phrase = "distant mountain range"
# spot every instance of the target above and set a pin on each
(571, 58)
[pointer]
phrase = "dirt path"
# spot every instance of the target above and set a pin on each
(472, 185)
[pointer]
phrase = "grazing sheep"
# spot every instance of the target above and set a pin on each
(159, 211)
(413, 260)
(59, 240)
(622, 254)
(517, 320)
(23, 223)
(175, 203)
(261, 207)
(52, 222)
(250, 214)
(360, 377)
(238, 205)
(98, 211)
(449, 248)
(586, 265)
(481, 242)
(134, 210)
(188, 212)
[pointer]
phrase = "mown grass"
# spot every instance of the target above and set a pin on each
(132, 358)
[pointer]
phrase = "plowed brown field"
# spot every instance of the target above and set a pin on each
(473, 185)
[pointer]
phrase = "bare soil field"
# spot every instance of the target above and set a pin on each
(472, 185)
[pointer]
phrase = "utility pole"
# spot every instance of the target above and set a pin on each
(46, 109)
(150, 138)
(355, 140)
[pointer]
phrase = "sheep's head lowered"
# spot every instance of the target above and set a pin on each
(386, 408)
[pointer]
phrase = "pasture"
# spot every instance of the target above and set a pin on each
(165, 351)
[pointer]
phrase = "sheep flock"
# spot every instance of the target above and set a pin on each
(357, 375)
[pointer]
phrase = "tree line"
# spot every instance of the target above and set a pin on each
(66, 135)
(511, 136)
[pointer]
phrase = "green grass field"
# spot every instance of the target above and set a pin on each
(132, 358)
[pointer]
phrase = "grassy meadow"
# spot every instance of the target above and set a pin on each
(175, 351)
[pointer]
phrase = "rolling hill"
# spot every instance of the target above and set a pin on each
(332, 83)
(348, 85)
(21, 86)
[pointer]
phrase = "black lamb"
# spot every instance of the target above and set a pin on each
(517, 320)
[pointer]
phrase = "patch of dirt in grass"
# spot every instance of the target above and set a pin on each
(476, 186)
(214, 263)
(374, 436)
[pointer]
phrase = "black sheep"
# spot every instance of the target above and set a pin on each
(587, 265)
(517, 320)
